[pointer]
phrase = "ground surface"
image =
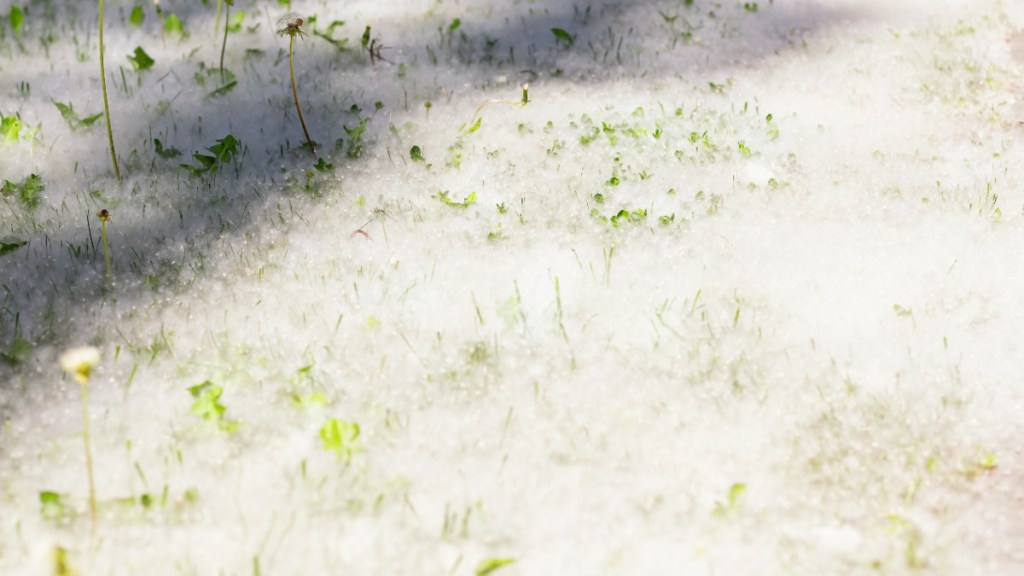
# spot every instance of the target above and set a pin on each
(737, 292)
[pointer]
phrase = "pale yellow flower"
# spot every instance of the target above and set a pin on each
(79, 362)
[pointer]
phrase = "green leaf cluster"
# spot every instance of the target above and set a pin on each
(27, 190)
(444, 197)
(340, 437)
(141, 60)
(355, 139)
(223, 151)
(67, 112)
(10, 128)
(208, 406)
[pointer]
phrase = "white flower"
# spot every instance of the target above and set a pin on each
(79, 362)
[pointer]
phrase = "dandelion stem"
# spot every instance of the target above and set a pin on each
(106, 105)
(88, 454)
(224, 44)
(216, 23)
(295, 93)
(104, 216)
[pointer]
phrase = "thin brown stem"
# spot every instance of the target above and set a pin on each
(295, 94)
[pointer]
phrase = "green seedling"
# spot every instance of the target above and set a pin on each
(16, 18)
(10, 128)
(624, 216)
(373, 47)
(447, 201)
(731, 506)
(27, 190)
(104, 215)
(137, 16)
(292, 27)
(340, 437)
(328, 35)
(79, 363)
(67, 112)
(223, 151)
(520, 103)
(106, 103)
(355, 142)
(488, 566)
(51, 506)
(208, 406)
(17, 352)
(416, 153)
(163, 152)
(61, 564)
(9, 244)
(173, 26)
(140, 60)
(563, 38)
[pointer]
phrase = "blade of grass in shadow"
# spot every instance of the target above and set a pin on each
(106, 105)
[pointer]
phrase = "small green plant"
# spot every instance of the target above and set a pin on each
(733, 501)
(489, 565)
(16, 18)
(51, 505)
(137, 16)
(444, 197)
(163, 152)
(27, 190)
(173, 26)
(208, 406)
(563, 38)
(67, 111)
(141, 60)
(416, 153)
(104, 215)
(223, 151)
(292, 27)
(354, 149)
(10, 128)
(106, 103)
(340, 437)
(79, 363)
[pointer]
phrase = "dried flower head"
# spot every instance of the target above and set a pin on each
(103, 215)
(79, 362)
(291, 25)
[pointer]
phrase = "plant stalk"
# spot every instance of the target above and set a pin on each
(88, 454)
(216, 23)
(106, 247)
(295, 94)
(106, 105)
(224, 44)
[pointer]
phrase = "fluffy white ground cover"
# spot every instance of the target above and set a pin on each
(633, 327)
